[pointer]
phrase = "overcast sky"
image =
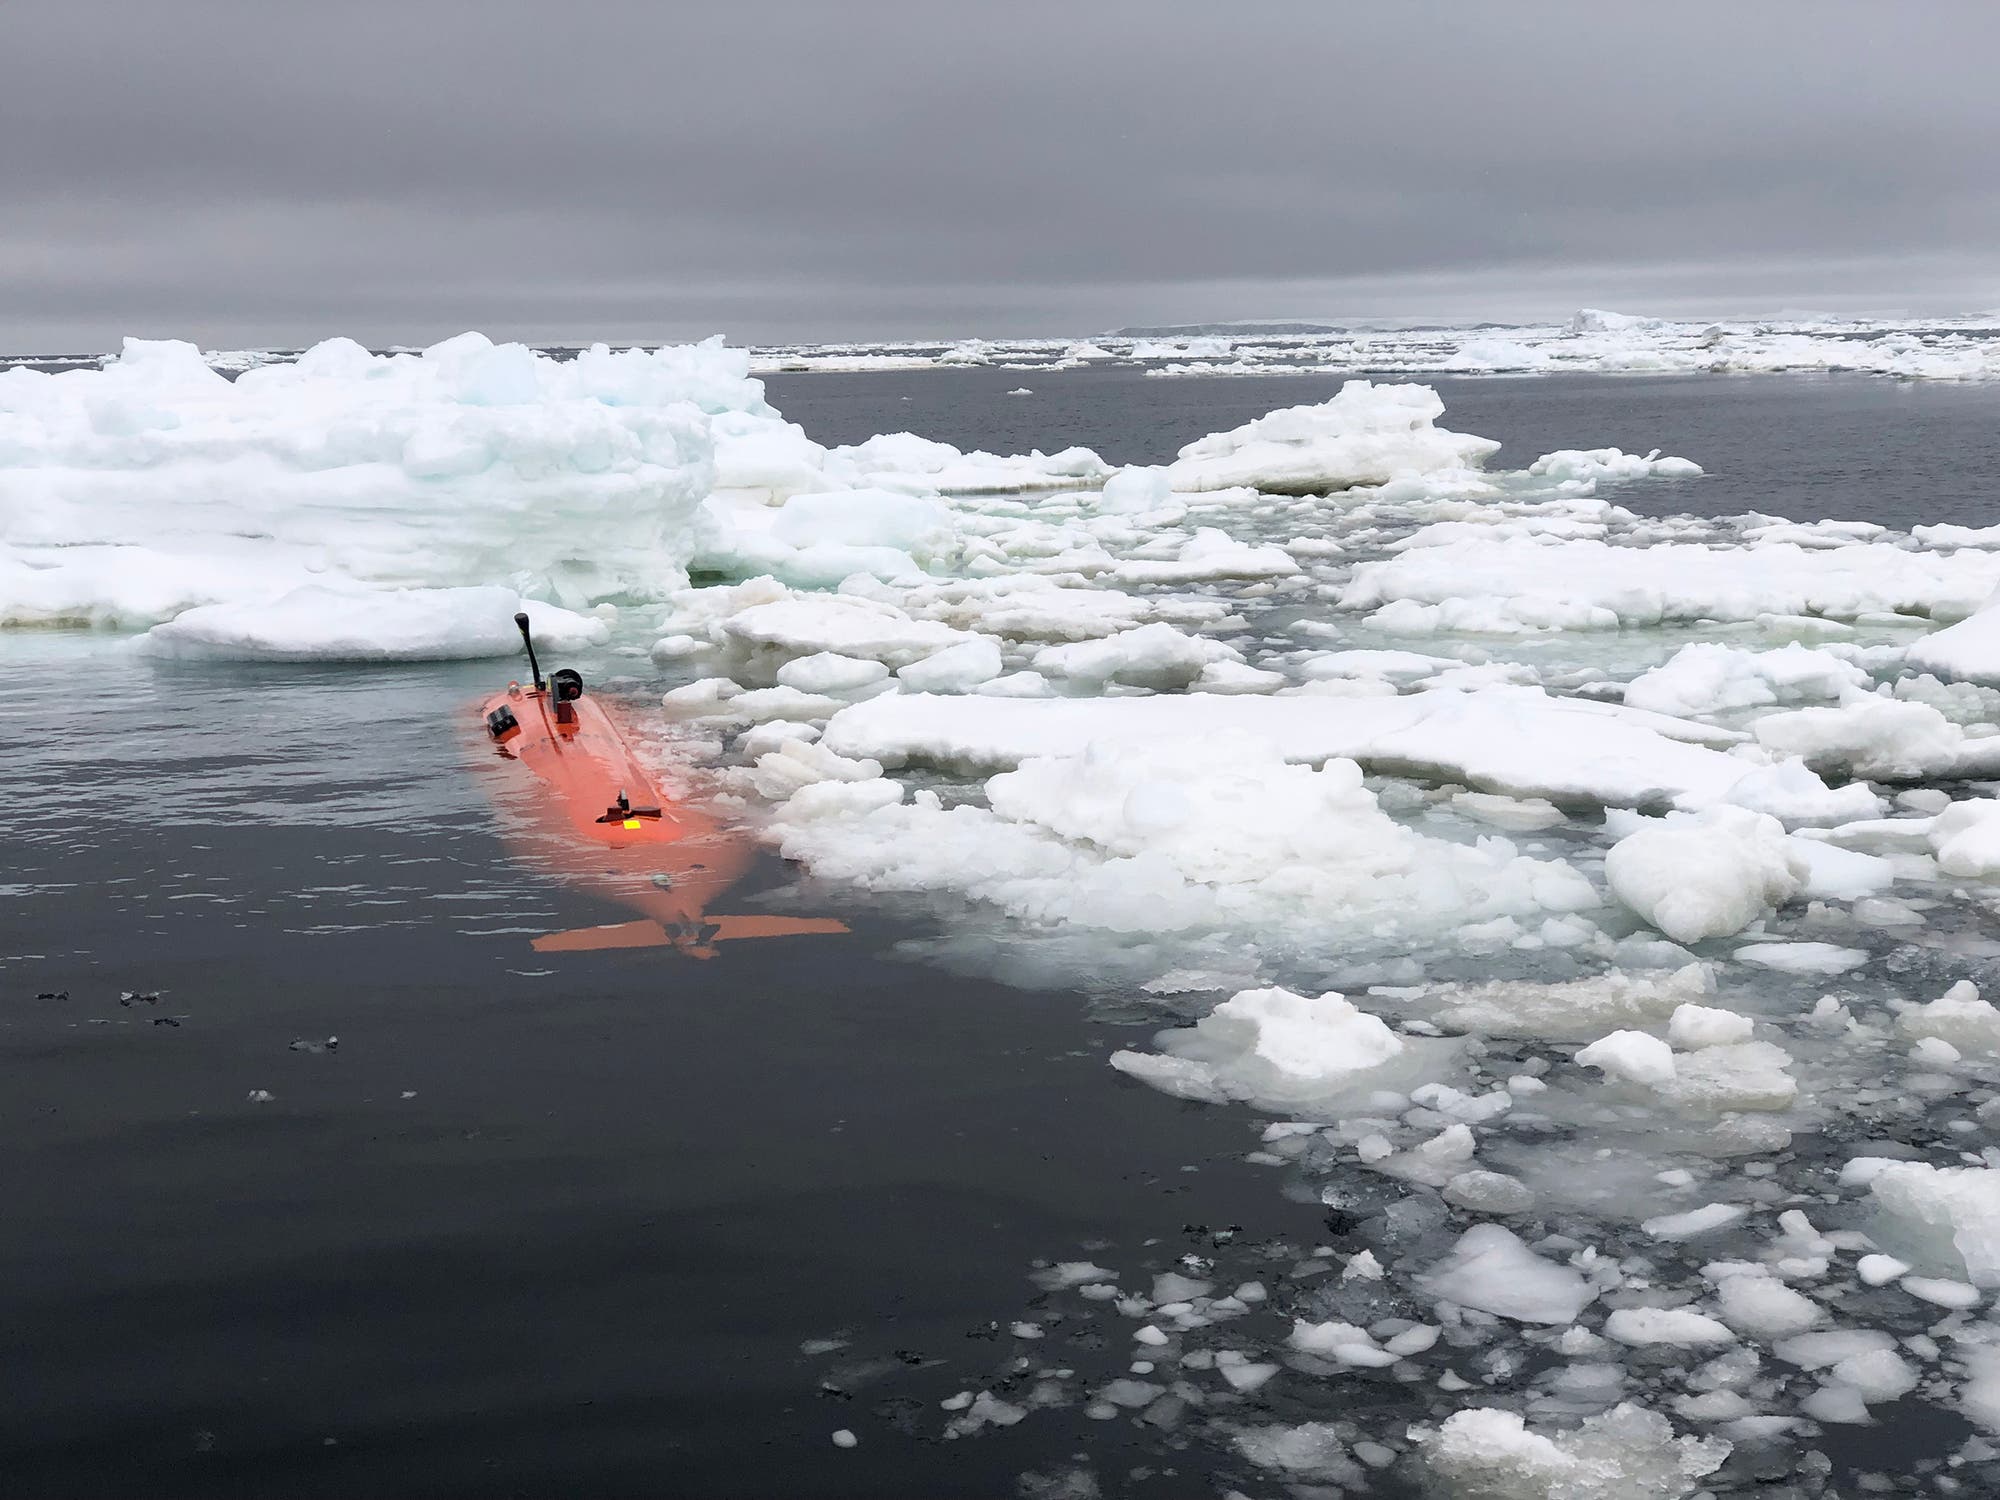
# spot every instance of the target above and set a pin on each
(274, 171)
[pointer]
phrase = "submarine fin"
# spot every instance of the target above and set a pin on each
(642, 934)
(650, 934)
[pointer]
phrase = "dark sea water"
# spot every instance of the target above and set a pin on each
(536, 1226)
(559, 1225)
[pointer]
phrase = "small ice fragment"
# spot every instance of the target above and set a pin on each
(1632, 1055)
(1763, 1307)
(844, 1439)
(1492, 1270)
(1802, 958)
(1247, 1377)
(1879, 1270)
(1489, 1193)
(1070, 1273)
(1412, 1340)
(1666, 1325)
(1696, 1026)
(1704, 1220)
(1876, 1375)
(1942, 1292)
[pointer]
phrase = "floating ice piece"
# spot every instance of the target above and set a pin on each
(1069, 1273)
(1631, 1055)
(1882, 738)
(1135, 490)
(1966, 652)
(829, 672)
(1763, 1307)
(1693, 1026)
(1836, 874)
(797, 763)
(1367, 434)
(1696, 1221)
(1876, 1375)
(1802, 958)
(1705, 875)
(1627, 1453)
(901, 460)
(320, 624)
(1514, 740)
(1944, 1219)
(823, 537)
(1491, 1270)
(1342, 1343)
(1958, 1016)
(1602, 320)
(1244, 1376)
(1943, 1292)
(1675, 581)
(1491, 354)
(1571, 1010)
(1966, 838)
(1706, 678)
(1880, 1270)
(1515, 814)
(956, 669)
(1732, 1079)
(1489, 1193)
(840, 624)
(1210, 555)
(1679, 1326)
(1308, 1451)
(1153, 656)
(1278, 1049)
(1818, 1351)
(1591, 464)
(985, 1410)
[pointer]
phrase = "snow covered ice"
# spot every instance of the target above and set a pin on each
(1588, 908)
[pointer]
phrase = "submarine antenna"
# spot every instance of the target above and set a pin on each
(534, 667)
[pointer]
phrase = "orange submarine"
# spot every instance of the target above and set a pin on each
(583, 807)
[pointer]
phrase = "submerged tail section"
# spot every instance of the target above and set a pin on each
(697, 939)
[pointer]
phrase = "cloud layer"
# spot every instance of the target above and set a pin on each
(243, 172)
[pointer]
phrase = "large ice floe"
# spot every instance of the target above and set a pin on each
(1588, 911)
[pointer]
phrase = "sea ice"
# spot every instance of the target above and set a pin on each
(1367, 434)
(1627, 1453)
(1280, 1051)
(323, 624)
(1491, 1270)
(1705, 875)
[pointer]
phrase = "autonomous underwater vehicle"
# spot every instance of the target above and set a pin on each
(585, 808)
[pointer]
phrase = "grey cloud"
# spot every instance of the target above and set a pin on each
(236, 170)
